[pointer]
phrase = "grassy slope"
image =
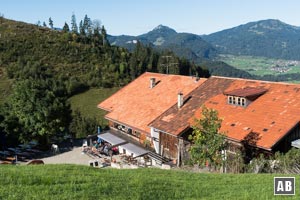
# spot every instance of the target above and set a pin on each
(81, 182)
(87, 102)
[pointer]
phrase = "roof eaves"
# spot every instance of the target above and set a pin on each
(282, 137)
(164, 132)
(239, 141)
(103, 108)
(125, 124)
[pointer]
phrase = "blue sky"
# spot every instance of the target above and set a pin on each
(134, 17)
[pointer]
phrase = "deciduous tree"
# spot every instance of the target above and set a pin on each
(38, 107)
(208, 141)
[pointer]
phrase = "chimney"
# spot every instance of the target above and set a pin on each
(152, 82)
(180, 99)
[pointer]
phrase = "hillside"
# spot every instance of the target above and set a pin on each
(65, 54)
(267, 38)
(186, 45)
(219, 68)
(81, 182)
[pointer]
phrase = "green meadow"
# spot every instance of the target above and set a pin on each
(83, 182)
(87, 102)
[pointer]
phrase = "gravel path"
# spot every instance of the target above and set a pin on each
(74, 156)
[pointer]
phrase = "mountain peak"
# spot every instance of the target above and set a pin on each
(271, 21)
(162, 28)
(271, 24)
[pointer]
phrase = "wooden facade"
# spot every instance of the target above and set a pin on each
(285, 144)
(168, 145)
(171, 148)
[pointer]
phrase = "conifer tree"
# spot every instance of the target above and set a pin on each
(87, 25)
(81, 28)
(74, 24)
(51, 23)
(66, 28)
(104, 36)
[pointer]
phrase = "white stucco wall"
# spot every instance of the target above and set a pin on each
(155, 134)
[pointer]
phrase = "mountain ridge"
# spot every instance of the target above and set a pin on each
(188, 45)
(268, 38)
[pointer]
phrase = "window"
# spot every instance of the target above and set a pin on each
(230, 99)
(239, 101)
(129, 131)
(243, 102)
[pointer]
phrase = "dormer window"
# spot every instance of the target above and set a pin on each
(244, 96)
(238, 101)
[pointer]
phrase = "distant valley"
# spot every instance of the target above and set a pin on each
(262, 66)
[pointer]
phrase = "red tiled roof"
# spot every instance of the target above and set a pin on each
(271, 116)
(176, 120)
(137, 104)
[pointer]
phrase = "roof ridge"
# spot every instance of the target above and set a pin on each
(162, 74)
(256, 80)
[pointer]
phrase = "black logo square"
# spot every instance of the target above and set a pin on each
(284, 185)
